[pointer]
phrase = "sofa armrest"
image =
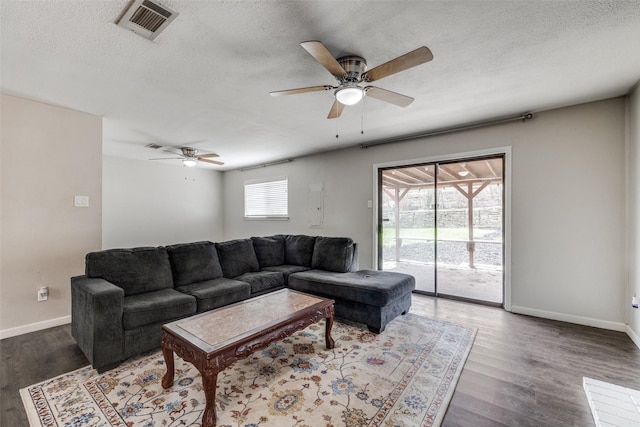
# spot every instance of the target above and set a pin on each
(354, 262)
(96, 320)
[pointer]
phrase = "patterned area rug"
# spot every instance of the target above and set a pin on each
(404, 377)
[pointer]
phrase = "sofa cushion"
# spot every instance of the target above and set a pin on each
(237, 257)
(372, 287)
(194, 262)
(158, 306)
(136, 270)
(298, 250)
(287, 270)
(269, 250)
(263, 281)
(216, 293)
(333, 254)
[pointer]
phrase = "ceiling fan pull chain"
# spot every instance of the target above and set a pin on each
(362, 118)
(338, 127)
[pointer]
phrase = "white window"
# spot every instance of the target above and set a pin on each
(266, 199)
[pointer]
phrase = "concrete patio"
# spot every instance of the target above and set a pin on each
(483, 283)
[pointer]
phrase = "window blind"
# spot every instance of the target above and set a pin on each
(267, 199)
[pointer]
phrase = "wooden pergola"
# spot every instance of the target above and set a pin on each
(463, 176)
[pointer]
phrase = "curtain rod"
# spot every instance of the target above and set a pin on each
(264, 165)
(523, 117)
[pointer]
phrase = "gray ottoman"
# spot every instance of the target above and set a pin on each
(366, 296)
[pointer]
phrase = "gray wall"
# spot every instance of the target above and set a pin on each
(567, 205)
(567, 213)
(152, 204)
(633, 215)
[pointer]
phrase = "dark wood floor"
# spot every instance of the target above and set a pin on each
(522, 371)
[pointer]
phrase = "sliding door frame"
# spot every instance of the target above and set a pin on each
(499, 151)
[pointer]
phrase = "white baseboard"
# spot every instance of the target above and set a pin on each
(570, 318)
(634, 337)
(32, 327)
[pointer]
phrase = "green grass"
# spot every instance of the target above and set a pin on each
(388, 234)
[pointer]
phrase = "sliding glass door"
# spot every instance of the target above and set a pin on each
(407, 223)
(443, 223)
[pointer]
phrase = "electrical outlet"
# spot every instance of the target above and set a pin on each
(43, 293)
(634, 302)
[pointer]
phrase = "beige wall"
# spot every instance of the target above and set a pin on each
(567, 210)
(49, 155)
(151, 204)
(633, 214)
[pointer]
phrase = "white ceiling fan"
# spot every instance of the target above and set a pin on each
(351, 72)
(188, 155)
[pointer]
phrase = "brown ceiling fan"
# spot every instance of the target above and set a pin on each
(351, 72)
(189, 156)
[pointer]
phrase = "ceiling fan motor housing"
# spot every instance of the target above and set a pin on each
(189, 152)
(355, 66)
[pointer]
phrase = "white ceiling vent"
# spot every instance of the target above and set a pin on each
(147, 18)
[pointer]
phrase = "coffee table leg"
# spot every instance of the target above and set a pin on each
(167, 380)
(327, 335)
(209, 382)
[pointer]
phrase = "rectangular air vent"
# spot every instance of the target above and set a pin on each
(147, 18)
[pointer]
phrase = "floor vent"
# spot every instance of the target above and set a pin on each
(612, 405)
(147, 18)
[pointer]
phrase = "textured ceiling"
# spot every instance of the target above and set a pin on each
(205, 81)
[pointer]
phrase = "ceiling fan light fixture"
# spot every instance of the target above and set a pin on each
(189, 162)
(349, 95)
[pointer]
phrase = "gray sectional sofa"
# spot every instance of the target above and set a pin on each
(126, 295)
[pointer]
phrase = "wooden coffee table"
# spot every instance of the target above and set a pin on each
(214, 340)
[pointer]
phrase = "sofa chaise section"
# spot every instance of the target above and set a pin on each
(367, 296)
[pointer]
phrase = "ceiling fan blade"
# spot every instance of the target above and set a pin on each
(214, 162)
(301, 90)
(336, 110)
(168, 158)
(401, 63)
(388, 96)
(200, 156)
(324, 57)
(175, 153)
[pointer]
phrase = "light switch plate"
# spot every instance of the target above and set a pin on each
(81, 201)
